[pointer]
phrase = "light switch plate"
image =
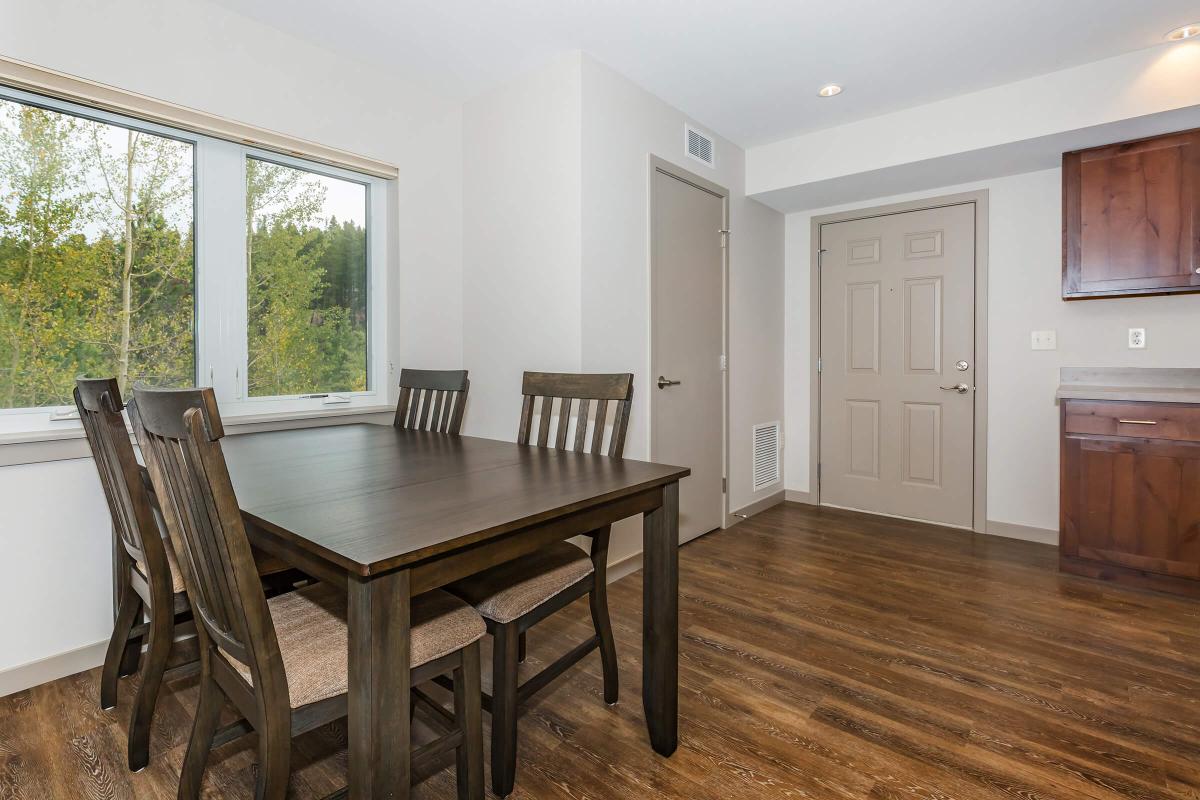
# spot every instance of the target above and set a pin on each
(1137, 338)
(1044, 340)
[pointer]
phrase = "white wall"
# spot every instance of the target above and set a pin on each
(1024, 288)
(556, 253)
(521, 239)
(55, 529)
(622, 126)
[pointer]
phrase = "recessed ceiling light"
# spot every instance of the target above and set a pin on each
(832, 89)
(1186, 32)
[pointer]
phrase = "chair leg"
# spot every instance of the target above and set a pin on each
(521, 647)
(469, 754)
(504, 709)
(119, 647)
(274, 759)
(162, 635)
(208, 711)
(598, 598)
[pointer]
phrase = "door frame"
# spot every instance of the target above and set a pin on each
(656, 165)
(979, 198)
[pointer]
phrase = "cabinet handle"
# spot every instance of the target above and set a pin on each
(1137, 421)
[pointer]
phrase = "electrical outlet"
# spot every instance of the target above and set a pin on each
(1044, 340)
(1137, 338)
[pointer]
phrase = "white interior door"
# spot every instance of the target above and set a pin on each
(898, 364)
(687, 416)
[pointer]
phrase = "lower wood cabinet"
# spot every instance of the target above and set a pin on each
(1130, 505)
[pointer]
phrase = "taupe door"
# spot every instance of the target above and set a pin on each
(898, 364)
(687, 343)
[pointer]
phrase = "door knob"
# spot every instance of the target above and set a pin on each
(961, 388)
(664, 383)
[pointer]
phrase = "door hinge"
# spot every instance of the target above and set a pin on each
(724, 363)
(725, 237)
(818, 365)
(818, 472)
(724, 485)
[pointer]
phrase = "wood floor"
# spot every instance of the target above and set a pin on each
(823, 654)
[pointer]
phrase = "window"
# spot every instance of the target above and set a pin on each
(162, 256)
(96, 255)
(306, 281)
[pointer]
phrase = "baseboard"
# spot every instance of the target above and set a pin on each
(626, 566)
(797, 496)
(757, 507)
(51, 668)
(1028, 533)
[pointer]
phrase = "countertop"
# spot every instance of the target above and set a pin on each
(1131, 384)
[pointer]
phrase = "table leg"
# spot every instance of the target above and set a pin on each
(660, 621)
(378, 721)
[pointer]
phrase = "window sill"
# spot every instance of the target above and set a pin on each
(69, 442)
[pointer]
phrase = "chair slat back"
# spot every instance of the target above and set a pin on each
(125, 490)
(542, 389)
(432, 399)
(180, 431)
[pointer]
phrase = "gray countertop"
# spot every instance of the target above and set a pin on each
(1134, 384)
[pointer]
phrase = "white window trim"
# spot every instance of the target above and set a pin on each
(220, 286)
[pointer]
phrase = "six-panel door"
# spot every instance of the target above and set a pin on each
(898, 325)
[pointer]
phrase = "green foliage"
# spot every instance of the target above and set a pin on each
(97, 270)
(306, 293)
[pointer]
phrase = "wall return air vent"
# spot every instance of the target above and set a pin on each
(765, 458)
(699, 146)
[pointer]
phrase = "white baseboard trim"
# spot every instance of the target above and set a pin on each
(51, 668)
(797, 496)
(1028, 533)
(757, 507)
(626, 566)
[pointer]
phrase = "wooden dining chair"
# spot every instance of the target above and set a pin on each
(281, 662)
(432, 399)
(514, 596)
(146, 578)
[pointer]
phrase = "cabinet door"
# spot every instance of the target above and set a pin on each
(1131, 218)
(1134, 503)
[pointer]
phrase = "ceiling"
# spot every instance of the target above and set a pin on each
(748, 69)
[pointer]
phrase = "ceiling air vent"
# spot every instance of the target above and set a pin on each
(766, 454)
(699, 146)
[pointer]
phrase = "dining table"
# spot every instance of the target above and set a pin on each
(389, 513)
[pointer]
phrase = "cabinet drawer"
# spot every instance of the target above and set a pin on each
(1137, 420)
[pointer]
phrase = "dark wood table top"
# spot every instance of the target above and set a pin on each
(371, 498)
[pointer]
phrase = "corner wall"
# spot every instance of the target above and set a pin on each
(521, 239)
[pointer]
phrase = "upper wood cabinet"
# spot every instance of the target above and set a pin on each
(1131, 218)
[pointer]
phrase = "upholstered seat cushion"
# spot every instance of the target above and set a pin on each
(310, 625)
(515, 588)
(176, 575)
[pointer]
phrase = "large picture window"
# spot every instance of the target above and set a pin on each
(171, 258)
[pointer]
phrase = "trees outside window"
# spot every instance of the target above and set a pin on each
(103, 233)
(96, 256)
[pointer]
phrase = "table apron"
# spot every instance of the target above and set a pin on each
(449, 567)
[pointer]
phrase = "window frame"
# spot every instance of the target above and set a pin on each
(220, 332)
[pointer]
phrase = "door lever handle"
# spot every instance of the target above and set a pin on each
(961, 388)
(664, 383)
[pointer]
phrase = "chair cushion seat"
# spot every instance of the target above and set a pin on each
(512, 589)
(310, 626)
